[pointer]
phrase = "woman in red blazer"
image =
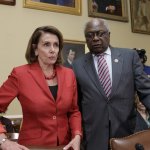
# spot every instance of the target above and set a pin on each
(47, 93)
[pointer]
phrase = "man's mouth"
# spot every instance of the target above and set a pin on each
(97, 46)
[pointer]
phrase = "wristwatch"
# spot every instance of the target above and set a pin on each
(2, 141)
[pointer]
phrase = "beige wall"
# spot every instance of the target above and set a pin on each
(17, 24)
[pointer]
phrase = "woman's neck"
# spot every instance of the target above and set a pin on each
(49, 74)
(46, 67)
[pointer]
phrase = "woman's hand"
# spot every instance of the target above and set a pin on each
(74, 143)
(10, 145)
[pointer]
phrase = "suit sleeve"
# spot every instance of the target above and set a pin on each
(8, 91)
(142, 82)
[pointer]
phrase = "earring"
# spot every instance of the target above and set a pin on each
(36, 53)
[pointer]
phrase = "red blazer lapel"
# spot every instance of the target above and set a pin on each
(38, 76)
(60, 80)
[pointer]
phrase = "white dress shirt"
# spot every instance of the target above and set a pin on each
(107, 57)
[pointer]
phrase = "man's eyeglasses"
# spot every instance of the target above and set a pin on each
(99, 34)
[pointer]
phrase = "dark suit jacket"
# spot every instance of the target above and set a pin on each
(140, 123)
(103, 118)
(44, 119)
(102, 4)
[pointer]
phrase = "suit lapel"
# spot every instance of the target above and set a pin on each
(117, 62)
(38, 76)
(91, 71)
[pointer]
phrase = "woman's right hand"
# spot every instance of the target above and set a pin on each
(10, 145)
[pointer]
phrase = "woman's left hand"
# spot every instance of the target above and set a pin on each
(74, 143)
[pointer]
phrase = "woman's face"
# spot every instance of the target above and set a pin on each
(47, 49)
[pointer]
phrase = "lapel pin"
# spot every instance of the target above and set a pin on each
(116, 60)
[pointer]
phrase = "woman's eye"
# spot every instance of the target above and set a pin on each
(56, 45)
(46, 44)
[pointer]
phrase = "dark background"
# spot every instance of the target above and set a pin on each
(78, 47)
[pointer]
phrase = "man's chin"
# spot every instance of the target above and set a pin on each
(97, 50)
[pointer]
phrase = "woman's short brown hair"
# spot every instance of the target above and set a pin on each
(34, 40)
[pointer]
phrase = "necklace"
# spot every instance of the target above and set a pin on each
(51, 76)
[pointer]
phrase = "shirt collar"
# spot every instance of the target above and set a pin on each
(108, 51)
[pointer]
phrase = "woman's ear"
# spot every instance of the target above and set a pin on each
(36, 52)
(35, 49)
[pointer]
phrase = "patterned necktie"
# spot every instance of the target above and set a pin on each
(104, 75)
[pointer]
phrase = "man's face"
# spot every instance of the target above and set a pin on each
(71, 55)
(97, 36)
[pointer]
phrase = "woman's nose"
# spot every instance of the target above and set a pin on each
(52, 49)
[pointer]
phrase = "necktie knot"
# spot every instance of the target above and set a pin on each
(100, 55)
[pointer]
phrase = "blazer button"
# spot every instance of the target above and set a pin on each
(54, 117)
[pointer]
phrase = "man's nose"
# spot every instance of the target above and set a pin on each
(95, 36)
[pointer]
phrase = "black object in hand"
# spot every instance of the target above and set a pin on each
(139, 146)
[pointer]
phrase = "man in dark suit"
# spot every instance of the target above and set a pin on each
(104, 6)
(108, 6)
(107, 115)
(70, 58)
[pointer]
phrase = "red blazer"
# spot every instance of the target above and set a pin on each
(44, 119)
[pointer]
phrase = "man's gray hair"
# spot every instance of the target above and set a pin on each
(97, 20)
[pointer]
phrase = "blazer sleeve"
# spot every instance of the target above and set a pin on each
(74, 113)
(8, 91)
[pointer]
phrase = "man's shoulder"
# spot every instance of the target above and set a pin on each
(82, 58)
(122, 50)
